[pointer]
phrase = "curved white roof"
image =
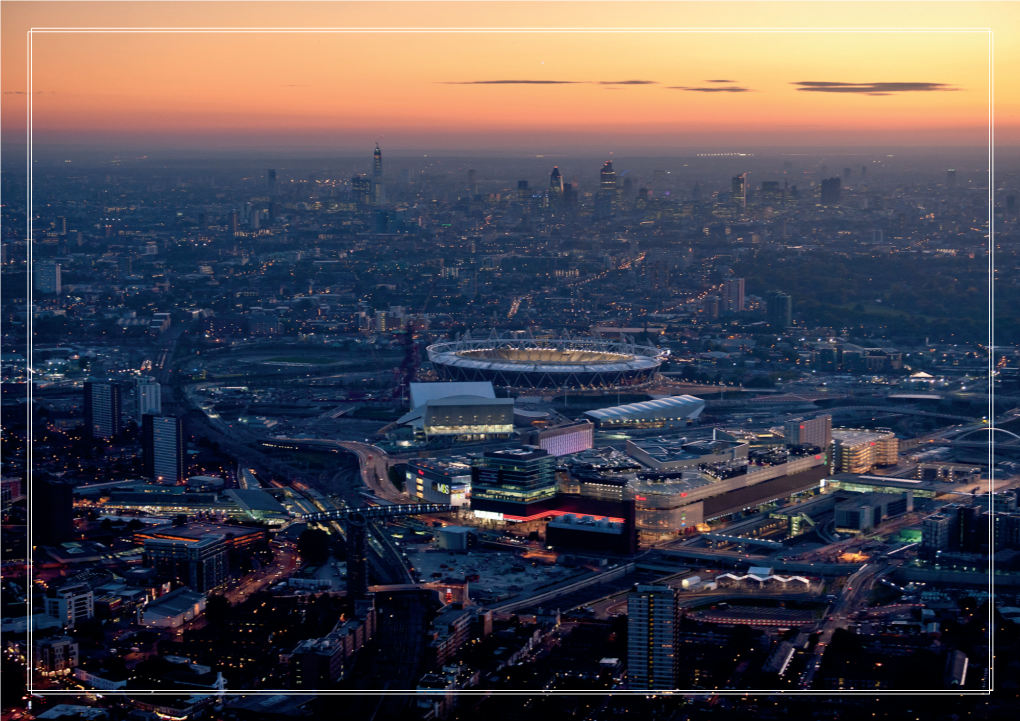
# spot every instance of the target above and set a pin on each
(685, 406)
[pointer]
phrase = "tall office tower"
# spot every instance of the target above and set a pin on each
(515, 482)
(52, 510)
(608, 178)
(864, 172)
(271, 177)
(652, 628)
(733, 295)
(846, 174)
(361, 190)
(555, 187)
(164, 448)
(47, 278)
(951, 177)
(738, 194)
(102, 409)
(814, 432)
(830, 191)
(472, 182)
(235, 223)
(148, 398)
(378, 189)
(778, 310)
(658, 179)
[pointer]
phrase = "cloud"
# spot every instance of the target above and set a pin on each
(517, 82)
(816, 86)
(628, 82)
(720, 81)
(710, 90)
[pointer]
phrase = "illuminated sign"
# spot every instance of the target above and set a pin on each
(490, 515)
(443, 488)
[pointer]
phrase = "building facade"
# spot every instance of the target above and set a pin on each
(652, 623)
(164, 448)
(516, 482)
(102, 409)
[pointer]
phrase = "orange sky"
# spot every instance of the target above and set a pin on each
(434, 89)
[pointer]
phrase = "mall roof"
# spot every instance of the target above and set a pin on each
(672, 407)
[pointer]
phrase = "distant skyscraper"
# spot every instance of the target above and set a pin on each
(778, 310)
(148, 398)
(831, 191)
(738, 194)
(164, 448)
(652, 630)
(733, 295)
(378, 189)
(47, 278)
(361, 190)
(607, 191)
(522, 189)
(846, 174)
(472, 182)
(864, 172)
(950, 177)
(555, 188)
(271, 178)
(608, 178)
(102, 409)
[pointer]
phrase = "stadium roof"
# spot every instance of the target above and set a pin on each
(673, 407)
(421, 393)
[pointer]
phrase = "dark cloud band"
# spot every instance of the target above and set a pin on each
(817, 86)
(710, 90)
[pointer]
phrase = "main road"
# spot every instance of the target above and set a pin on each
(846, 604)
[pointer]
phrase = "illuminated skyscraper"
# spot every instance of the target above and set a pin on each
(608, 183)
(378, 190)
(555, 188)
(607, 192)
(738, 195)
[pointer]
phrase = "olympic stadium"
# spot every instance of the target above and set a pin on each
(560, 364)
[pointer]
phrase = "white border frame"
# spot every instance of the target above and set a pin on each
(518, 30)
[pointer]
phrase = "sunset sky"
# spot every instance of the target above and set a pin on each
(522, 90)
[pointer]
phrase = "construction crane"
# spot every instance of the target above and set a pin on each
(412, 351)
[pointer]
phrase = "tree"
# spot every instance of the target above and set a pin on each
(217, 609)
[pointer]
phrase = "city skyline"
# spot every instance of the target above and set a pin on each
(507, 89)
